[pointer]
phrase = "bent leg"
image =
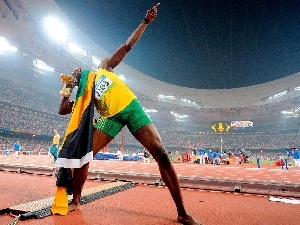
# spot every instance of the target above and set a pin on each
(100, 140)
(150, 139)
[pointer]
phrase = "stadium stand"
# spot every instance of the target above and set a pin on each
(29, 96)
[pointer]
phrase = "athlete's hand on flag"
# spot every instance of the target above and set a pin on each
(66, 91)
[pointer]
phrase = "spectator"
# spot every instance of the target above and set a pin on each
(216, 159)
(120, 154)
(202, 153)
(258, 162)
(7, 151)
(146, 156)
(17, 148)
(296, 157)
(210, 156)
(289, 156)
(55, 144)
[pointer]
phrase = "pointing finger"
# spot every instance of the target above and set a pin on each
(155, 7)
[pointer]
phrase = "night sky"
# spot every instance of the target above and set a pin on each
(207, 44)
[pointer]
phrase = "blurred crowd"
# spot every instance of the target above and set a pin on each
(28, 146)
(25, 110)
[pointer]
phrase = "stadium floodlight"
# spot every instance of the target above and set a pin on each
(188, 101)
(178, 116)
(6, 47)
(122, 77)
(166, 96)
(150, 110)
(41, 65)
(287, 112)
(278, 95)
(56, 29)
(96, 60)
(75, 48)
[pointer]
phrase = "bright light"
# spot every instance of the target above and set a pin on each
(178, 116)
(75, 48)
(275, 96)
(287, 112)
(121, 76)
(188, 101)
(6, 47)
(278, 95)
(291, 113)
(150, 110)
(166, 96)
(56, 29)
(96, 60)
(41, 65)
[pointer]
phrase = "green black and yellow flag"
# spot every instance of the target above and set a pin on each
(76, 149)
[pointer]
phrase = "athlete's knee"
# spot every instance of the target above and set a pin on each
(161, 156)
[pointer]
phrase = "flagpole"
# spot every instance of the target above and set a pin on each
(221, 145)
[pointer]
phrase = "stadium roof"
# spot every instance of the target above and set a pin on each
(207, 44)
(25, 29)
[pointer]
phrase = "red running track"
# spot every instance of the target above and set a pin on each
(149, 204)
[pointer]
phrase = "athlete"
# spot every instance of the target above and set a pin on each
(118, 106)
(55, 145)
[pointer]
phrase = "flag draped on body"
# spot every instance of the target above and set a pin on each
(76, 149)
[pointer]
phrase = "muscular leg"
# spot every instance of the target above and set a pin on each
(100, 140)
(150, 139)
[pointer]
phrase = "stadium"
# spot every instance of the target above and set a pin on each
(30, 85)
(39, 42)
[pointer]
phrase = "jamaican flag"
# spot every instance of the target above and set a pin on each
(76, 149)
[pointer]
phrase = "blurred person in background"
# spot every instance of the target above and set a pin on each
(146, 156)
(17, 148)
(55, 145)
(296, 157)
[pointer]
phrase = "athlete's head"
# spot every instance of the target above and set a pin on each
(77, 74)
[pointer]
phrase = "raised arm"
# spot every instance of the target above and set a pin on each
(111, 62)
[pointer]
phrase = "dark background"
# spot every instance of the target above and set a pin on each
(209, 44)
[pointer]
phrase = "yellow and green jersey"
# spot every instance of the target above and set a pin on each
(56, 139)
(111, 94)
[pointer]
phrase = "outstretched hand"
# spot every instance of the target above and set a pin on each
(151, 13)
